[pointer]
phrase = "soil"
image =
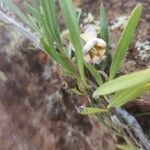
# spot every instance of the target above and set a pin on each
(37, 110)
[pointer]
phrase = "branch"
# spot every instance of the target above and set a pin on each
(132, 127)
(129, 122)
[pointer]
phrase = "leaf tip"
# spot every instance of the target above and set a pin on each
(101, 5)
(139, 5)
(138, 8)
(95, 94)
(109, 106)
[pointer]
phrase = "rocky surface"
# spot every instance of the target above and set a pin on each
(36, 110)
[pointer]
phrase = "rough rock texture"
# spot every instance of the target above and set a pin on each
(36, 110)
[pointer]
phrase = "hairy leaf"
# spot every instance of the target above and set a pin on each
(123, 82)
(57, 57)
(35, 18)
(48, 7)
(103, 24)
(122, 97)
(124, 40)
(71, 21)
(91, 110)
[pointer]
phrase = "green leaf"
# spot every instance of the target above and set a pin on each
(123, 147)
(57, 57)
(104, 34)
(91, 110)
(103, 24)
(50, 26)
(122, 97)
(123, 82)
(35, 12)
(94, 73)
(34, 19)
(124, 41)
(48, 7)
(127, 147)
(99, 116)
(71, 22)
(143, 114)
(18, 12)
(77, 92)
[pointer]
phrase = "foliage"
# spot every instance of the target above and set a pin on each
(127, 147)
(124, 40)
(123, 82)
(122, 97)
(94, 73)
(104, 24)
(71, 21)
(91, 110)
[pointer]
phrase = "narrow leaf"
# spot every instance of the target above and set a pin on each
(50, 16)
(71, 21)
(104, 35)
(36, 18)
(57, 57)
(35, 12)
(123, 147)
(94, 73)
(103, 24)
(90, 110)
(123, 82)
(77, 92)
(143, 114)
(122, 97)
(100, 118)
(124, 40)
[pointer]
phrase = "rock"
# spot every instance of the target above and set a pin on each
(143, 48)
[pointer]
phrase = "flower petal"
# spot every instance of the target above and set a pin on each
(89, 33)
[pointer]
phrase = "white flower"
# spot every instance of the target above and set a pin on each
(94, 48)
